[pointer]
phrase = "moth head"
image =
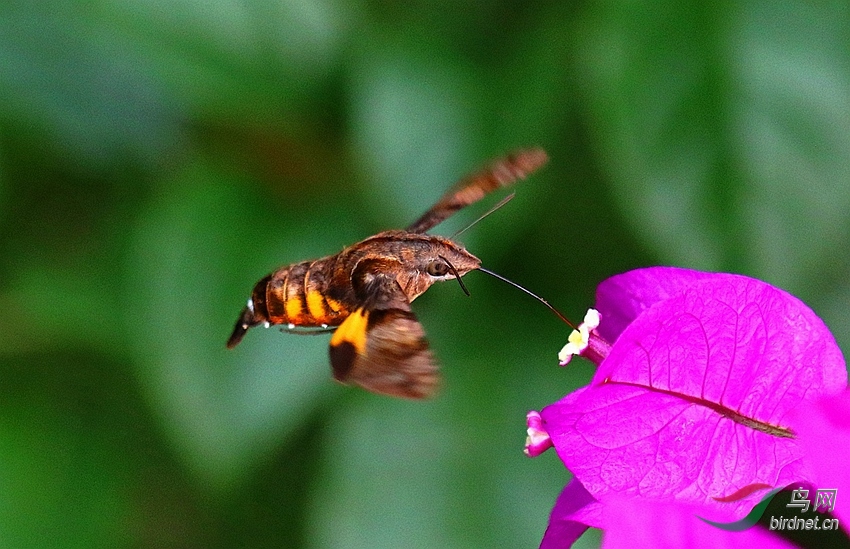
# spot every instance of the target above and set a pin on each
(440, 260)
(447, 260)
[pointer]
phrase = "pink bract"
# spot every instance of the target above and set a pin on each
(694, 401)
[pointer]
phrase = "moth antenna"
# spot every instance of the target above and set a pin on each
(501, 203)
(457, 275)
(529, 292)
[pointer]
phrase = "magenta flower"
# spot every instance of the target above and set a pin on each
(691, 408)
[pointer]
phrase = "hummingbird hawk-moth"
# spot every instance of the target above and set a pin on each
(364, 292)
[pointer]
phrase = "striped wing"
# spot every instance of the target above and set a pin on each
(474, 187)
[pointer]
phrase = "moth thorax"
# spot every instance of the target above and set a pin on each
(414, 283)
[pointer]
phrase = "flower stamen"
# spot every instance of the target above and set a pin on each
(585, 341)
(538, 440)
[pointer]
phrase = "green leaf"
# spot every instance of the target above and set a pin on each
(93, 98)
(223, 409)
(412, 127)
(790, 120)
(52, 481)
(258, 61)
(724, 130)
(446, 473)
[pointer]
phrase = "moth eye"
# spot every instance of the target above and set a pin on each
(437, 268)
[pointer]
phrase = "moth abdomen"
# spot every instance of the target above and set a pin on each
(298, 295)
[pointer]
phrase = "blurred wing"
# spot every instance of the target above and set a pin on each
(382, 347)
(474, 187)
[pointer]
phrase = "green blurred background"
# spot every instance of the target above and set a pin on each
(157, 158)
